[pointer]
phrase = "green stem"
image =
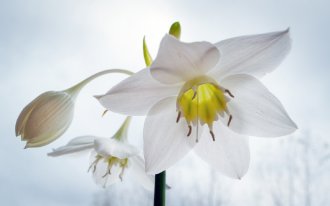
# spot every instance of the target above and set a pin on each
(160, 189)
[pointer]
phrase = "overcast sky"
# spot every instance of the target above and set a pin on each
(51, 45)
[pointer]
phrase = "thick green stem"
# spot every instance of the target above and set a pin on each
(160, 189)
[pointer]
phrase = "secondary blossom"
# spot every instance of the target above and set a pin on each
(110, 158)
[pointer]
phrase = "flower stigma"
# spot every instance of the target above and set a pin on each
(200, 101)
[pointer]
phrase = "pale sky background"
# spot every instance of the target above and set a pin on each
(51, 45)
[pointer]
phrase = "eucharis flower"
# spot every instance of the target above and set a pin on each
(189, 85)
(49, 115)
(110, 158)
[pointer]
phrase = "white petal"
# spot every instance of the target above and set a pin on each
(75, 145)
(177, 61)
(254, 55)
(255, 110)
(24, 115)
(165, 141)
(101, 169)
(228, 154)
(136, 94)
(137, 170)
(111, 147)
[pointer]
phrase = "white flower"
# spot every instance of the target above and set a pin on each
(49, 115)
(110, 158)
(192, 84)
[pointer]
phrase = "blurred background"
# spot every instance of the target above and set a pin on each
(51, 45)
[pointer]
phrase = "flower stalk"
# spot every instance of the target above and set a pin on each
(74, 90)
(160, 189)
(160, 179)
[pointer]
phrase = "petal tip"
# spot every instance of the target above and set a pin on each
(52, 154)
(98, 97)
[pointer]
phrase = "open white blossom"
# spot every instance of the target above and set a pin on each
(110, 158)
(192, 84)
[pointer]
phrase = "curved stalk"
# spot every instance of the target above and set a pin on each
(74, 90)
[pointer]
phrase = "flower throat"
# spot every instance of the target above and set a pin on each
(202, 100)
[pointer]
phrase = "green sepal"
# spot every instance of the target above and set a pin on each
(175, 30)
(146, 54)
(121, 134)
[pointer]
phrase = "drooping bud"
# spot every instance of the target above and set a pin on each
(49, 115)
(45, 119)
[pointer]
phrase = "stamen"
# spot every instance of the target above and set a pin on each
(189, 131)
(94, 163)
(195, 93)
(230, 118)
(178, 118)
(108, 171)
(212, 135)
(121, 174)
(230, 94)
(197, 125)
(105, 111)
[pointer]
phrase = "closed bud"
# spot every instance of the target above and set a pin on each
(46, 118)
(49, 115)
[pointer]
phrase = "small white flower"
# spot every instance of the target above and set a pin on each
(192, 84)
(110, 158)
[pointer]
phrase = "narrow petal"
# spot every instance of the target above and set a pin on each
(228, 154)
(137, 171)
(136, 94)
(165, 141)
(178, 62)
(255, 55)
(77, 144)
(256, 111)
(113, 147)
(24, 115)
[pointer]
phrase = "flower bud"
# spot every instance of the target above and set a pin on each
(49, 115)
(46, 118)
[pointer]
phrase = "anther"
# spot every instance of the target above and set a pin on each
(230, 94)
(212, 135)
(230, 118)
(93, 165)
(178, 118)
(105, 111)
(189, 131)
(107, 173)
